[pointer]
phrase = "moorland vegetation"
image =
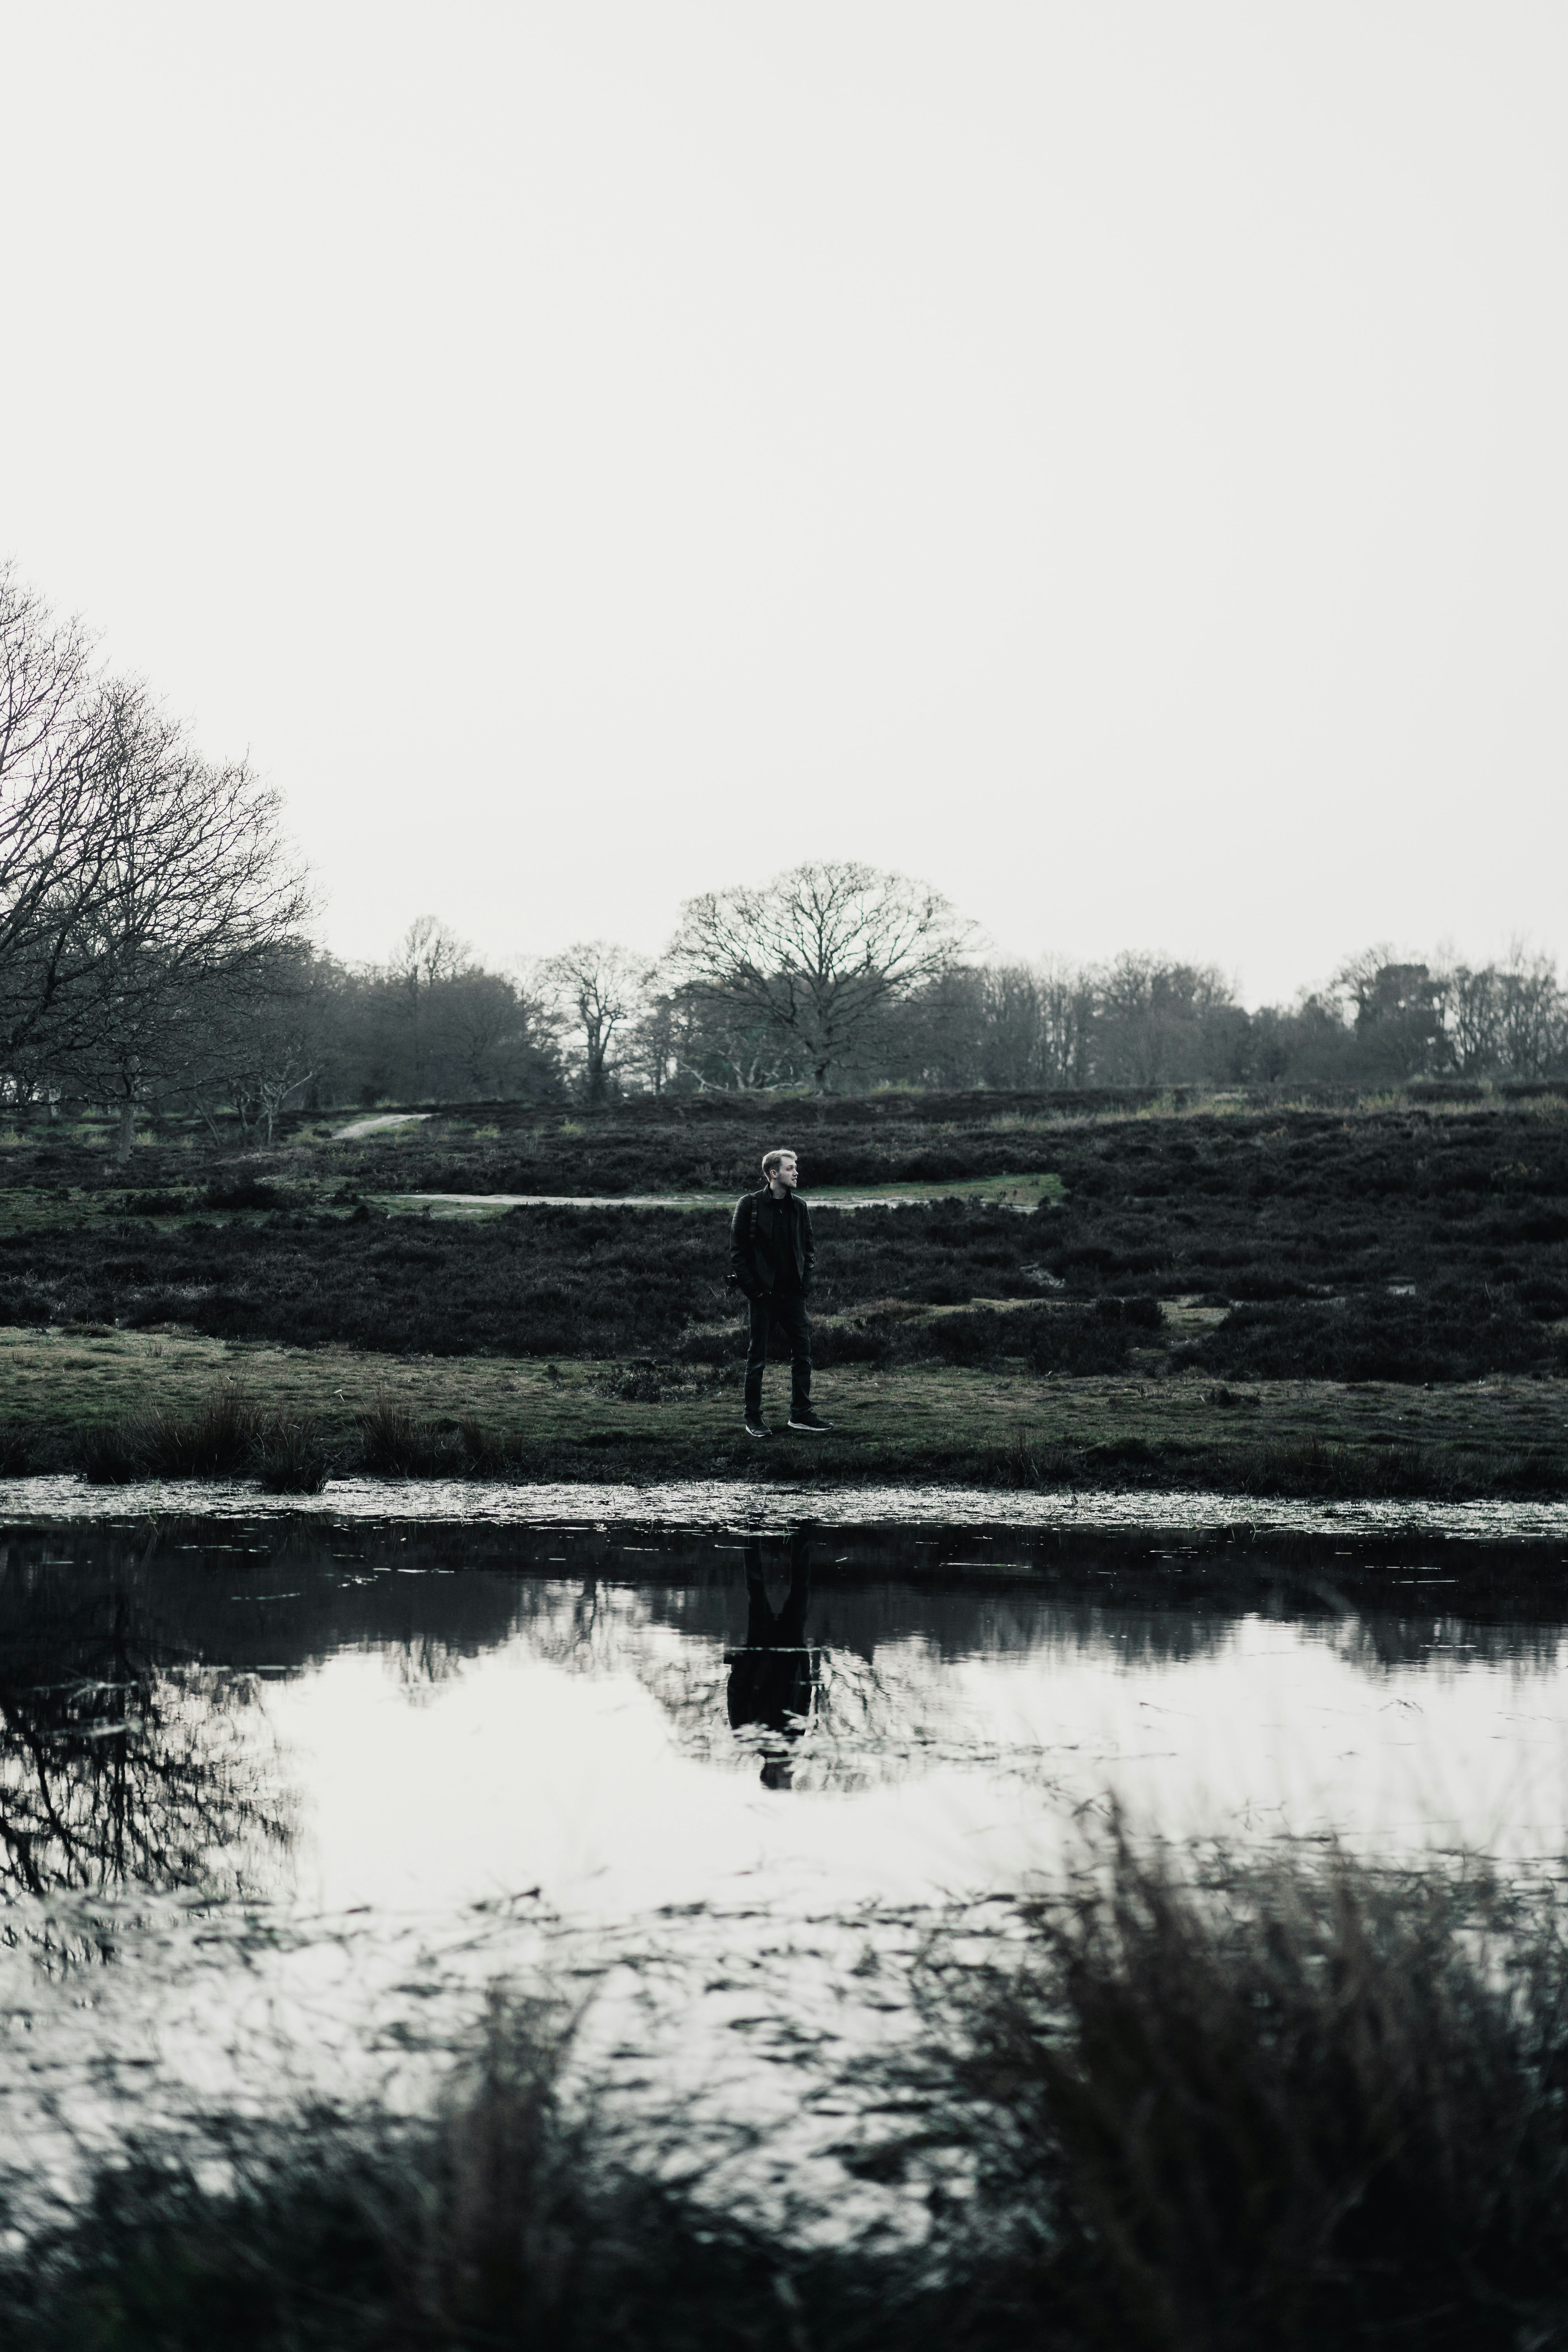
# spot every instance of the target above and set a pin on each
(1405, 1244)
(1138, 1259)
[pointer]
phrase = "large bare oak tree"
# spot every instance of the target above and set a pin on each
(817, 956)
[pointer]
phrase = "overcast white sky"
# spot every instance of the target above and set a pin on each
(1110, 460)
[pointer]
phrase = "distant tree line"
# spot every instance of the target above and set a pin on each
(154, 953)
(837, 976)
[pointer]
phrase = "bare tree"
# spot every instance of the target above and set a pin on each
(54, 818)
(601, 988)
(1012, 1037)
(818, 955)
(425, 961)
(1471, 1011)
(1506, 1019)
(429, 953)
(684, 1042)
(266, 1030)
(654, 1042)
(195, 893)
(1533, 1014)
(1068, 1005)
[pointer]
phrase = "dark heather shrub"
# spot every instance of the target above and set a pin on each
(228, 1318)
(155, 1307)
(1052, 1339)
(1380, 1339)
(1069, 1344)
(715, 1347)
(977, 1336)
(1280, 1212)
(944, 1290)
(852, 1343)
(249, 1193)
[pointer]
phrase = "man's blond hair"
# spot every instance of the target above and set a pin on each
(772, 1158)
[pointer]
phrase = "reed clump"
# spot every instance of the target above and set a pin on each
(395, 1441)
(510, 2217)
(1303, 2106)
(290, 1454)
(224, 1435)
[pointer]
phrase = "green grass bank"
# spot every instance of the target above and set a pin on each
(117, 1404)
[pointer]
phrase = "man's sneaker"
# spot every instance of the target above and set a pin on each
(757, 1428)
(802, 1417)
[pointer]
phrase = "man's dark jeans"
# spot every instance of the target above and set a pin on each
(789, 1314)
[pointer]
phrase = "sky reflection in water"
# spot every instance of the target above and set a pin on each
(359, 1732)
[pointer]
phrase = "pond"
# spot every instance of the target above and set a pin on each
(275, 1784)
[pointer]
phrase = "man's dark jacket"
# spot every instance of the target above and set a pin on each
(756, 1238)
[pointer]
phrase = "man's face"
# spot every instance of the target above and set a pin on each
(786, 1173)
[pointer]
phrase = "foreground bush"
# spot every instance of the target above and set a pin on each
(1304, 2107)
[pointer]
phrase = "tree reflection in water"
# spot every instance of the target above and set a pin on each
(125, 1764)
(134, 1756)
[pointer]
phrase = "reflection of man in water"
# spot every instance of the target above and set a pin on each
(770, 1679)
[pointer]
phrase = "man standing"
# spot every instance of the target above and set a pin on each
(770, 1248)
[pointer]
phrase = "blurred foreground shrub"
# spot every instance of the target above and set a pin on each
(1305, 2105)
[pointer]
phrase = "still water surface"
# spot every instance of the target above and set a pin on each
(311, 1766)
